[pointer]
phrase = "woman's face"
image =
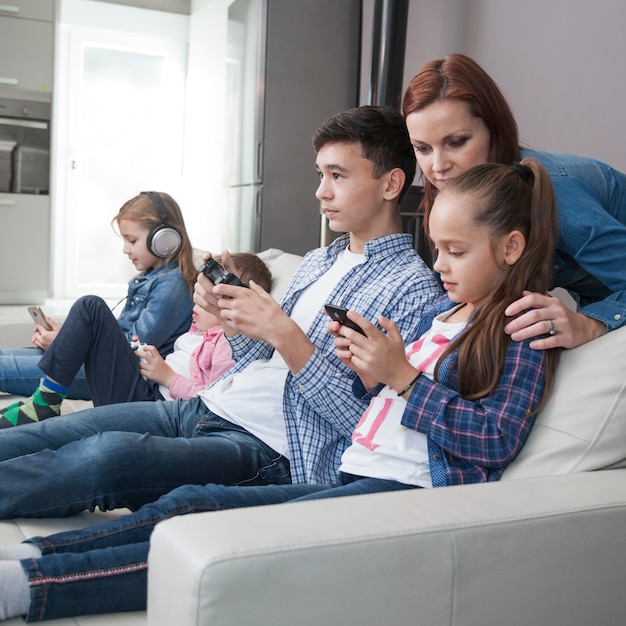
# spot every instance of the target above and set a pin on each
(447, 140)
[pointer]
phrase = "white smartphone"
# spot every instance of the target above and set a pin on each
(38, 317)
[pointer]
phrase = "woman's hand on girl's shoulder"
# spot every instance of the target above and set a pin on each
(550, 320)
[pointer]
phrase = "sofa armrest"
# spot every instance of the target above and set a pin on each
(545, 550)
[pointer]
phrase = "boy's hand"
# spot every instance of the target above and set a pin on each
(251, 311)
(204, 296)
(203, 291)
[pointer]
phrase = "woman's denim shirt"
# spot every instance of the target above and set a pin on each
(590, 261)
(158, 307)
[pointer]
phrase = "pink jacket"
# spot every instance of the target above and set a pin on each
(206, 364)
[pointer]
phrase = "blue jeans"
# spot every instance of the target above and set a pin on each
(20, 374)
(103, 569)
(91, 335)
(90, 355)
(126, 455)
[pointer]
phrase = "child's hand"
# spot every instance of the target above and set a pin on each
(42, 338)
(154, 366)
(377, 357)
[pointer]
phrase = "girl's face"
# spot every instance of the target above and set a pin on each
(135, 236)
(203, 319)
(447, 140)
(469, 265)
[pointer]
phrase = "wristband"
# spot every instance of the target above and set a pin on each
(401, 393)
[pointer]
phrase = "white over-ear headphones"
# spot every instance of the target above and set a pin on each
(163, 241)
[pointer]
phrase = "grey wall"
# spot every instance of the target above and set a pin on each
(560, 64)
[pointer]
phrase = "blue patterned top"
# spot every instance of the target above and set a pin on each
(319, 408)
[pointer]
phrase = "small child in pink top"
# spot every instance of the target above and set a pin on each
(200, 357)
(202, 354)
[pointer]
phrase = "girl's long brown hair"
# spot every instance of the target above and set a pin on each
(458, 77)
(507, 198)
(141, 209)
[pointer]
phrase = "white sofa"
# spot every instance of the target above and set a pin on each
(546, 545)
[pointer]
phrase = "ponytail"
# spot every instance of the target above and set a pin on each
(518, 197)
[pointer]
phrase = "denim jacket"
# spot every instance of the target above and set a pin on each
(158, 307)
(589, 262)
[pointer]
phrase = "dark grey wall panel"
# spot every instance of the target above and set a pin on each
(312, 72)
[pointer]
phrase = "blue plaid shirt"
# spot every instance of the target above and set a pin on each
(473, 441)
(319, 408)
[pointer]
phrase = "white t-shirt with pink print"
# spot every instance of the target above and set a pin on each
(381, 446)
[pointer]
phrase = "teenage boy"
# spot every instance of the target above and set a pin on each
(285, 411)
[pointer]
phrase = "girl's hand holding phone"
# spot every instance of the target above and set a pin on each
(42, 338)
(377, 357)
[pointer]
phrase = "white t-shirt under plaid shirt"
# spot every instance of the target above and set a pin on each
(381, 446)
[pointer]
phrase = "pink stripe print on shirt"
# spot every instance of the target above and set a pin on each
(367, 439)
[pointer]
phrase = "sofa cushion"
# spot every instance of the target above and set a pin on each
(283, 266)
(583, 426)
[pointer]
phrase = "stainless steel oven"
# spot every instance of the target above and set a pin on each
(24, 146)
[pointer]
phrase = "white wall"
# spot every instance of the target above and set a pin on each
(560, 64)
(173, 6)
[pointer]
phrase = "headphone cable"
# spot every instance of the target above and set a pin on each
(118, 303)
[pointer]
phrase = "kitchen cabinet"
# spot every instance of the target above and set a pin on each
(24, 271)
(28, 9)
(26, 81)
(26, 54)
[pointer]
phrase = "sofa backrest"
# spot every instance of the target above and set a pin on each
(282, 265)
(583, 426)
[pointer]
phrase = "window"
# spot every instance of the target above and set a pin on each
(119, 121)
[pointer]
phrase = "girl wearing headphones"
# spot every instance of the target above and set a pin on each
(157, 310)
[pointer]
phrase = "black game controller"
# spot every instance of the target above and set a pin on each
(218, 275)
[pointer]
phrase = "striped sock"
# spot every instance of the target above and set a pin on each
(44, 403)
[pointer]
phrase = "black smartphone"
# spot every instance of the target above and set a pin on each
(38, 317)
(339, 314)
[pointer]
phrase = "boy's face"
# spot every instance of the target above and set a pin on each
(352, 199)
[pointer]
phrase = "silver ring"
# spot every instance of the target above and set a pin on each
(551, 328)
